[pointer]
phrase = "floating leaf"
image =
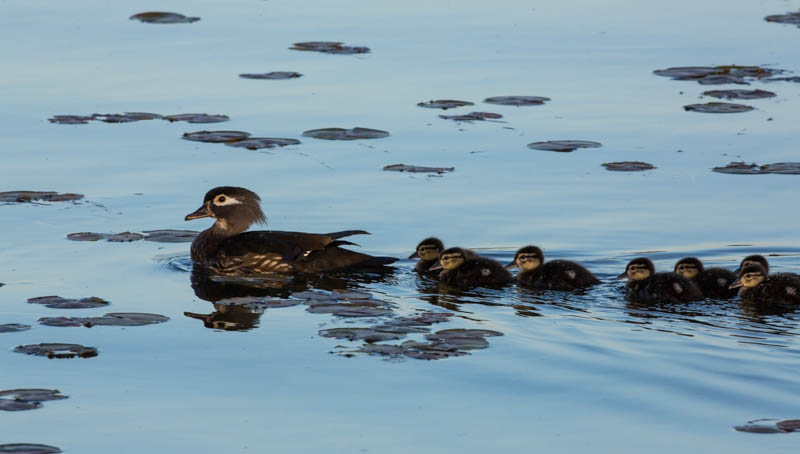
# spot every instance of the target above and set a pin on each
(563, 145)
(127, 117)
(33, 394)
(274, 75)
(715, 75)
(759, 429)
(329, 47)
(28, 448)
(158, 17)
(110, 319)
(628, 166)
(255, 143)
(70, 119)
(215, 136)
(417, 169)
(171, 236)
(739, 167)
(517, 100)
(718, 107)
(795, 79)
(473, 116)
(366, 334)
(16, 405)
(788, 18)
(57, 350)
(13, 328)
(444, 104)
(789, 425)
(35, 196)
(197, 118)
(739, 94)
(58, 302)
(364, 308)
(346, 134)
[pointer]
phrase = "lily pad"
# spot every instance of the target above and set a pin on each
(57, 350)
(563, 146)
(354, 308)
(718, 107)
(255, 143)
(795, 79)
(170, 236)
(464, 339)
(13, 328)
(789, 425)
(16, 405)
(216, 136)
(517, 100)
(345, 134)
(444, 104)
(274, 75)
(87, 236)
(127, 117)
(739, 94)
(417, 169)
(36, 196)
(197, 118)
(70, 119)
(473, 116)
(158, 17)
(33, 395)
(788, 18)
(110, 319)
(628, 166)
(122, 237)
(329, 47)
(369, 335)
(717, 75)
(28, 448)
(742, 168)
(58, 302)
(759, 429)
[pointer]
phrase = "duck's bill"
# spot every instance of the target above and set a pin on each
(623, 275)
(413, 256)
(201, 212)
(511, 265)
(436, 267)
(736, 284)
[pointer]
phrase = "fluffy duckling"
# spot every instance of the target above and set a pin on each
(646, 286)
(226, 247)
(553, 275)
(713, 282)
(427, 252)
(463, 268)
(756, 285)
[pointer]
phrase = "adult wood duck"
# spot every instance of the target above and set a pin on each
(427, 252)
(226, 247)
(779, 289)
(713, 282)
(463, 268)
(553, 275)
(646, 286)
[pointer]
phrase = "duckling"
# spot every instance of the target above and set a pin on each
(761, 260)
(463, 268)
(712, 282)
(226, 247)
(646, 286)
(779, 289)
(553, 275)
(427, 252)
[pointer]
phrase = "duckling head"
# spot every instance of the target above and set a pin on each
(428, 249)
(638, 269)
(689, 267)
(527, 258)
(750, 276)
(452, 258)
(754, 260)
(234, 209)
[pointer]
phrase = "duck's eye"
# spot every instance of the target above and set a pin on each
(221, 199)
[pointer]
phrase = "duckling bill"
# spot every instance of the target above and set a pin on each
(712, 282)
(227, 248)
(553, 275)
(646, 286)
(463, 268)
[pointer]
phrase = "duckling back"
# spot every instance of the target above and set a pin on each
(476, 271)
(557, 275)
(715, 283)
(664, 288)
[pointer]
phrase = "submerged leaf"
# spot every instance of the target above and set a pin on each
(197, 118)
(417, 169)
(58, 302)
(274, 75)
(329, 47)
(739, 94)
(158, 17)
(517, 100)
(255, 143)
(444, 104)
(786, 168)
(216, 136)
(345, 134)
(718, 107)
(628, 166)
(13, 328)
(35, 196)
(57, 350)
(28, 448)
(473, 116)
(563, 145)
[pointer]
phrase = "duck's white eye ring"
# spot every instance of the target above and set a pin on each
(223, 200)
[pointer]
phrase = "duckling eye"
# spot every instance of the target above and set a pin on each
(221, 199)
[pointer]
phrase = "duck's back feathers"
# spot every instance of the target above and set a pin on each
(715, 283)
(476, 271)
(664, 288)
(557, 275)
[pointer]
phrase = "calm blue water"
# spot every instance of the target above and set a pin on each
(572, 373)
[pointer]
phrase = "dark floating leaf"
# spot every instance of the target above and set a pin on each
(628, 166)
(759, 429)
(739, 94)
(718, 107)
(197, 118)
(13, 328)
(125, 237)
(110, 319)
(517, 100)
(563, 145)
(417, 169)
(17, 405)
(33, 394)
(369, 335)
(216, 136)
(58, 302)
(345, 134)
(35, 196)
(70, 119)
(788, 18)
(716, 75)
(274, 75)
(742, 168)
(442, 344)
(122, 237)
(355, 308)
(789, 425)
(473, 116)
(57, 350)
(157, 17)
(127, 117)
(28, 448)
(255, 143)
(444, 104)
(258, 303)
(464, 339)
(329, 47)
(795, 79)
(170, 236)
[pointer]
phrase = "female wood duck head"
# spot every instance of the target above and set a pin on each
(638, 269)
(750, 276)
(234, 209)
(428, 249)
(689, 267)
(527, 258)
